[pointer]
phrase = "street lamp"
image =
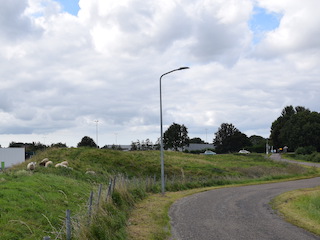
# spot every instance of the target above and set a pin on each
(97, 121)
(161, 131)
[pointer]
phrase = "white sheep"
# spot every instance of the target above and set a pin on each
(60, 165)
(65, 163)
(31, 166)
(49, 163)
(43, 162)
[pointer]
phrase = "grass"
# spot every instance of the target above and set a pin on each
(149, 219)
(301, 207)
(33, 204)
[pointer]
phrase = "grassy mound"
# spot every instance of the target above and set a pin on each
(33, 204)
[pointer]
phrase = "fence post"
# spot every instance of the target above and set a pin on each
(99, 194)
(90, 207)
(109, 189)
(114, 183)
(68, 224)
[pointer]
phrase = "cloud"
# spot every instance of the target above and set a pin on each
(60, 72)
(298, 29)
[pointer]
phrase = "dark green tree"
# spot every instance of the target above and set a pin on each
(298, 127)
(58, 145)
(176, 137)
(258, 144)
(277, 125)
(87, 142)
(196, 140)
(229, 139)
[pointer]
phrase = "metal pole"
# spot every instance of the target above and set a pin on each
(97, 121)
(161, 132)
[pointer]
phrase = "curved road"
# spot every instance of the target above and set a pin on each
(236, 213)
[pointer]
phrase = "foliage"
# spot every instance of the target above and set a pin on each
(196, 140)
(143, 145)
(176, 137)
(305, 150)
(59, 145)
(258, 144)
(30, 147)
(229, 139)
(87, 142)
(296, 127)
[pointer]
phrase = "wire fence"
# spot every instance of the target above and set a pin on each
(70, 221)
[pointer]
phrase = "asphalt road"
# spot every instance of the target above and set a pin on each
(236, 213)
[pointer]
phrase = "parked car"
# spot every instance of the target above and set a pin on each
(244, 151)
(208, 152)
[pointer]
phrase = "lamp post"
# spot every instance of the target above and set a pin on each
(161, 131)
(97, 121)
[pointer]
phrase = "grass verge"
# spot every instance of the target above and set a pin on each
(301, 208)
(149, 219)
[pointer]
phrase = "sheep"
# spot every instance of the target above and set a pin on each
(65, 163)
(43, 162)
(60, 165)
(31, 166)
(49, 163)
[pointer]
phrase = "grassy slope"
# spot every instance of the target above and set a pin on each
(32, 205)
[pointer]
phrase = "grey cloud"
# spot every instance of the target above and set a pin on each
(13, 23)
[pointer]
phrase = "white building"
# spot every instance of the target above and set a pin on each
(11, 156)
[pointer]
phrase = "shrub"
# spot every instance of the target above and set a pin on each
(305, 150)
(314, 157)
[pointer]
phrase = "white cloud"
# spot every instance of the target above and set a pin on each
(60, 72)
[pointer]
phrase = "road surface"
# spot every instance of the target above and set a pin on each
(236, 213)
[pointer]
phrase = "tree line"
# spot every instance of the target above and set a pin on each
(296, 127)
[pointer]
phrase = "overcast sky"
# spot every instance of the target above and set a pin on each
(70, 67)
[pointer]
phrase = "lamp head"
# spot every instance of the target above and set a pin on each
(182, 68)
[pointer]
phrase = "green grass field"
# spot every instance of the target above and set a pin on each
(33, 204)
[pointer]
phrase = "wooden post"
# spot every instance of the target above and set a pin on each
(99, 194)
(109, 190)
(68, 225)
(90, 207)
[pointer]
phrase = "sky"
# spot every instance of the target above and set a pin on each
(73, 68)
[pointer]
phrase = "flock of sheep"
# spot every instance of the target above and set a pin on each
(46, 163)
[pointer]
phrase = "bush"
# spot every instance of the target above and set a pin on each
(314, 157)
(305, 150)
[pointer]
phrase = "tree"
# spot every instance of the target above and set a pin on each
(297, 128)
(229, 139)
(196, 140)
(87, 142)
(59, 145)
(176, 137)
(258, 144)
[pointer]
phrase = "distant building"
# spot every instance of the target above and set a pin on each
(199, 147)
(11, 156)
